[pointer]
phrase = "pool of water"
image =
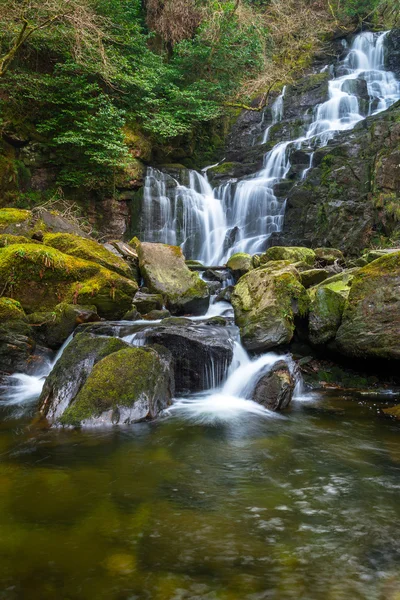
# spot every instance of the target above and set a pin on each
(306, 506)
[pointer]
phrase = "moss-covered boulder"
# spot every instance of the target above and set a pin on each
(328, 256)
(312, 277)
(266, 302)
(164, 271)
(327, 305)
(371, 320)
(88, 250)
(54, 327)
(12, 219)
(40, 277)
(10, 310)
(290, 253)
(145, 303)
(240, 264)
(125, 387)
(6, 239)
(17, 344)
(71, 371)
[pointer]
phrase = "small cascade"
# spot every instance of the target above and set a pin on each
(240, 216)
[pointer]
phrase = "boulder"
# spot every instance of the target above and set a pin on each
(201, 353)
(392, 54)
(156, 315)
(6, 239)
(35, 223)
(53, 328)
(164, 271)
(313, 276)
(145, 303)
(91, 250)
(40, 277)
(371, 320)
(17, 346)
(327, 304)
(265, 303)
(290, 253)
(275, 389)
(328, 256)
(11, 310)
(13, 220)
(225, 294)
(240, 264)
(125, 387)
(71, 371)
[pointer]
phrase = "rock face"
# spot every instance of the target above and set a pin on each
(125, 387)
(17, 347)
(40, 277)
(201, 353)
(265, 302)
(327, 305)
(275, 389)
(371, 320)
(71, 371)
(392, 55)
(164, 271)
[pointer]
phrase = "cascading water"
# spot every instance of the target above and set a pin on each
(239, 216)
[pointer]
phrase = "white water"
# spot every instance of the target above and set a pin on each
(239, 216)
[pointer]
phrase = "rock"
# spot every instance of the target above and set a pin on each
(328, 256)
(393, 411)
(132, 315)
(196, 264)
(155, 315)
(71, 371)
(53, 328)
(371, 320)
(392, 54)
(214, 287)
(39, 277)
(306, 93)
(266, 302)
(240, 264)
(313, 276)
(372, 255)
(213, 275)
(126, 387)
(165, 272)
(292, 254)
(34, 223)
(88, 250)
(225, 294)
(17, 346)
(201, 353)
(275, 389)
(6, 239)
(13, 220)
(11, 310)
(327, 304)
(147, 302)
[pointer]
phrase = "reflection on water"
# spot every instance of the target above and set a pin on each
(302, 507)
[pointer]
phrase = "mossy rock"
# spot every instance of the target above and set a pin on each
(240, 264)
(313, 277)
(125, 387)
(266, 301)
(164, 271)
(327, 305)
(13, 217)
(17, 345)
(53, 328)
(88, 250)
(40, 277)
(291, 253)
(371, 320)
(10, 310)
(7, 239)
(146, 303)
(393, 411)
(328, 256)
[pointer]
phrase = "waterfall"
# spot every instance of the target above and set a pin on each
(239, 216)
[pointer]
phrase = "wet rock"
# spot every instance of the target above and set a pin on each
(155, 315)
(132, 315)
(201, 353)
(145, 303)
(275, 389)
(71, 371)
(289, 253)
(313, 276)
(327, 305)
(240, 264)
(225, 294)
(125, 387)
(392, 54)
(214, 287)
(306, 93)
(265, 303)
(165, 272)
(371, 320)
(53, 328)
(17, 347)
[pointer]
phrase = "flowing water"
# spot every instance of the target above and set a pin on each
(239, 216)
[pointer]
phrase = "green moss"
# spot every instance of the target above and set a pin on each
(240, 263)
(289, 253)
(10, 310)
(119, 380)
(10, 216)
(88, 250)
(7, 239)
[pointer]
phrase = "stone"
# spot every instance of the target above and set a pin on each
(88, 250)
(225, 294)
(240, 264)
(53, 328)
(156, 315)
(371, 319)
(201, 353)
(125, 387)
(145, 303)
(132, 315)
(328, 256)
(392, 54)
(275, 389)
(11, 310)
(17, 347)
(327, 305)
(71, 371)
(266, 302)
(40, 277)
(164, 271)
(292, 254)
(313, 276)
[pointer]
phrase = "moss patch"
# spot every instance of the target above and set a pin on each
(290, 253)
(10, 310)
(11, 216)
